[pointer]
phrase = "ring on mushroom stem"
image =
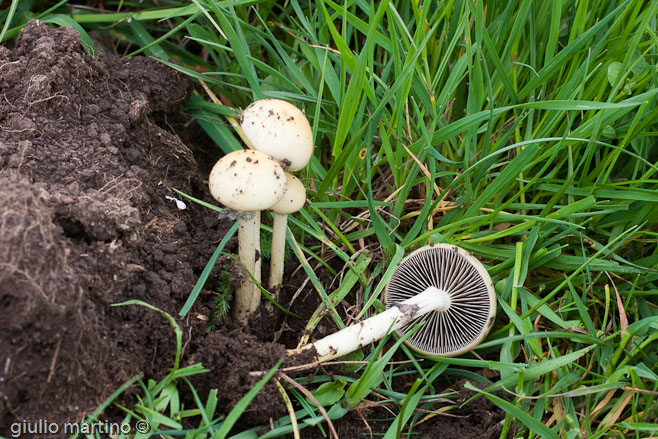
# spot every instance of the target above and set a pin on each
(441, 285)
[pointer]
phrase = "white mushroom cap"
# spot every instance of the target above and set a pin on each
(280, 130)
(466, 321)
(294, 197)
(247, 181)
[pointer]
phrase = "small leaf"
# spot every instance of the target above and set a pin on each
(331, 392)
(614, 71)
(609, 132)
(337, 411)
(640, 65)
(198, 31)
(154, 418)
(357, 355)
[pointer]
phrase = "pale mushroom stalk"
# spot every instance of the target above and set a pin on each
(293, 199)
(375, 328)
(247, 297)
(279, 227)
(442, 286)
(247, 181)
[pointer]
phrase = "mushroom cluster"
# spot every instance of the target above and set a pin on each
(442, 286)
(256, 179)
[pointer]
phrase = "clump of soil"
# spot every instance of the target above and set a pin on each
(86, 162)
(234, 350)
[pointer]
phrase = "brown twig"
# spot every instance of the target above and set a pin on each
(440, 413)
(623, 320)
(589, 368)
(330, 49)
(325, 363)
(53, 362)
(232, 120)
(297, 37)
(635, 389)
(365, 422)
(310, 396)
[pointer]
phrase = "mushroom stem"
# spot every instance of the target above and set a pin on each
(247, 297)
(278, 251)
(375, 328)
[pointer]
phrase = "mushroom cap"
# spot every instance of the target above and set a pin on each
(472, 308)
(293, 198)
(247, 181)
(278, 129)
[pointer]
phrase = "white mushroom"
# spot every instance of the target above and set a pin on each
(278, 129)
(247, 181)
(293, 200)
(441, 285)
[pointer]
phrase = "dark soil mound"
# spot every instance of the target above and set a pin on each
(86, 161)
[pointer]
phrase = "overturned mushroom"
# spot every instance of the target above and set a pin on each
(441, 285)
(247, 181)
(293, 200)
(467, 319)
(279, 129)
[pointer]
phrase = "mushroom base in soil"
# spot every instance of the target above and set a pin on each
(443, 287)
